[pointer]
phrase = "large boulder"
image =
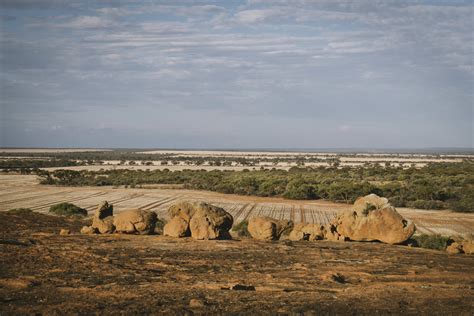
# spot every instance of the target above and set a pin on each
(210, 222)
(177, 227)
(103, 220)
(198, 220)
(374, 219)
(369, 202)
(184, 210)
(135, 221)
(304, 231)
(267, 228)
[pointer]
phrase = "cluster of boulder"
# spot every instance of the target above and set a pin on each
(133, 221)
(198, 220)
(188, 219)
(371, 218)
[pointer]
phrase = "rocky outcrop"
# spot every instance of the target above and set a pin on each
(266, 228)
(198, 220)
(373, 218)
(461, 246)
(454, 248)
(303, 231)
(177, 227)
(103, 218)
(88, 230)
(369, 202)
(135, 221)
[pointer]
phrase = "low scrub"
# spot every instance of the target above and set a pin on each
(437, 242)
(20, 211)
(241, 229)
(160, 224)
(67, 209)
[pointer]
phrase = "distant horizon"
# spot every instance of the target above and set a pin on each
(433, 150)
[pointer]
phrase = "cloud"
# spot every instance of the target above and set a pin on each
(256, 69)
(85, 22)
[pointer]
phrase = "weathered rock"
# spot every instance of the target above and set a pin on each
(104, 226)
(330, 233)
(303, 231)
(184, 210)
(368, 202)
(461, 246)
(379, 222)
(468, 246)
(266, 228)
(103, 220)
(177, 227)
(210, 222)
(196, 303)
(454, 248)
(135, 221)
(104, 209)
(88, 230)
(198, 220)
(64, 231)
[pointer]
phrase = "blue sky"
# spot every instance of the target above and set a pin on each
(237, 74)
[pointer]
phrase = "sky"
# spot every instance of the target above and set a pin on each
(237, 74)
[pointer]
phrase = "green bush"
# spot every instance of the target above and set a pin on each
(241, 229)
(437, 242)
(67, 209)
(20, 211)
(160, 224)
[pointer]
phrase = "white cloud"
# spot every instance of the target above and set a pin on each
(85, 22)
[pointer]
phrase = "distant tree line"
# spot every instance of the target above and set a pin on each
(39, 163)
(435, 186)
(130, 155)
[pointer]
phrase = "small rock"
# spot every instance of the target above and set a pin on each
(196, 303)
(64, 231)
(241, 287)
(454, 248)
(339, 278)
(88, 230)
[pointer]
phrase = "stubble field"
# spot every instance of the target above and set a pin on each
(24, 191)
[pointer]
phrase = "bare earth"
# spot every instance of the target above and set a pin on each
(24, 191)
(42, 272)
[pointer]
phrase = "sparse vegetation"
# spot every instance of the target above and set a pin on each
(160, 223)
(241, 229)
(67, 209)
(20, 211)
(437, 242)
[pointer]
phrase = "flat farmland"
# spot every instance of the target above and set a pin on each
(24, 191)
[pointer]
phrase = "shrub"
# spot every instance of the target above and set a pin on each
(241, 229)
(20, 211)
(67, 209)
(437, 242)
(160, 224)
